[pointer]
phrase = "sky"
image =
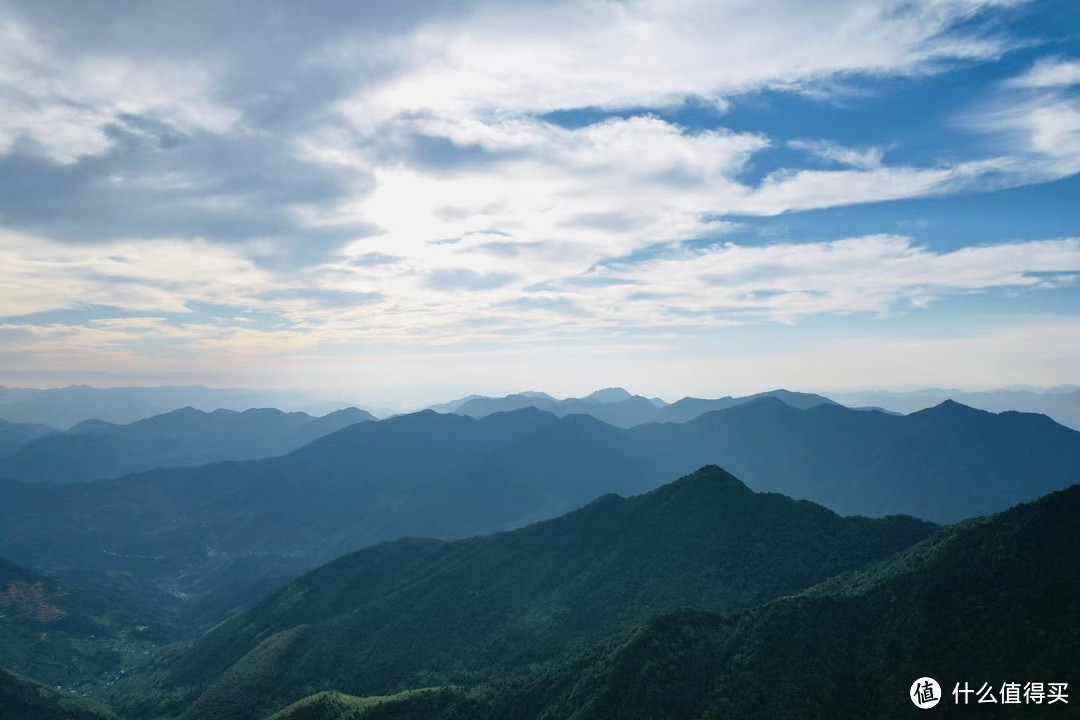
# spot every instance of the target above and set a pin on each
(408, 201)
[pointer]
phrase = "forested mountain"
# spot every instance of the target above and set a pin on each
(14, 435)
(95, 449)
(414, 612)
(618, 407)
(993, 600)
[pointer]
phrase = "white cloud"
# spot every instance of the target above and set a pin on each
(860, 158)
(146, 276)
(875, 274)
(64, 101)
(525, 58)
(1036, 121)
(1050, 72)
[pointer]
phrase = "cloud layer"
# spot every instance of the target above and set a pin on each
(197, 183)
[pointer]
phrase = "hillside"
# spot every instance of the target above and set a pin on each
(22, 699)
(59, 626)
(425, 612)
(992, 600)
(95, 449)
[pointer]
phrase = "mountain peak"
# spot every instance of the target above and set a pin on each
(713, 477)
(951, 408)
(608, 395)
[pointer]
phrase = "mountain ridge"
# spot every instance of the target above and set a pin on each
(95, 449)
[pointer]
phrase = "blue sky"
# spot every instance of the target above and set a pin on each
(407, 201)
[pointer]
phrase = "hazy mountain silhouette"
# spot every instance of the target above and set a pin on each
(65, 407)
(412, 609)
(608, 395)
(14, 435)
(96, 449)
(479, 407)
(618, 407)
(1061, 404)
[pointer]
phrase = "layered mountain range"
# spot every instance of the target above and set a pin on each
(606, 590)
(95, 449)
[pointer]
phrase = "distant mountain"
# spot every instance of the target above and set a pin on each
(1061, 404)
(451, 406)
(689, 408)
(451, 476)
(23, 699)
(618, 407)
(415, 611)
(608, 395)
(942, 464)
(14, 435)
(64, 407)
(95, 449)
(479, 407)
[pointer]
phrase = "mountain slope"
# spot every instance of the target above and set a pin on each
(181, 438)
(420, 610)
(22, 699)
(992, 600)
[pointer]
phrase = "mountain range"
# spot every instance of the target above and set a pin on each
(107, 582)
(67, 406)
(451, 476)
(95, 449)
(618, 407)
(1061, 404)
